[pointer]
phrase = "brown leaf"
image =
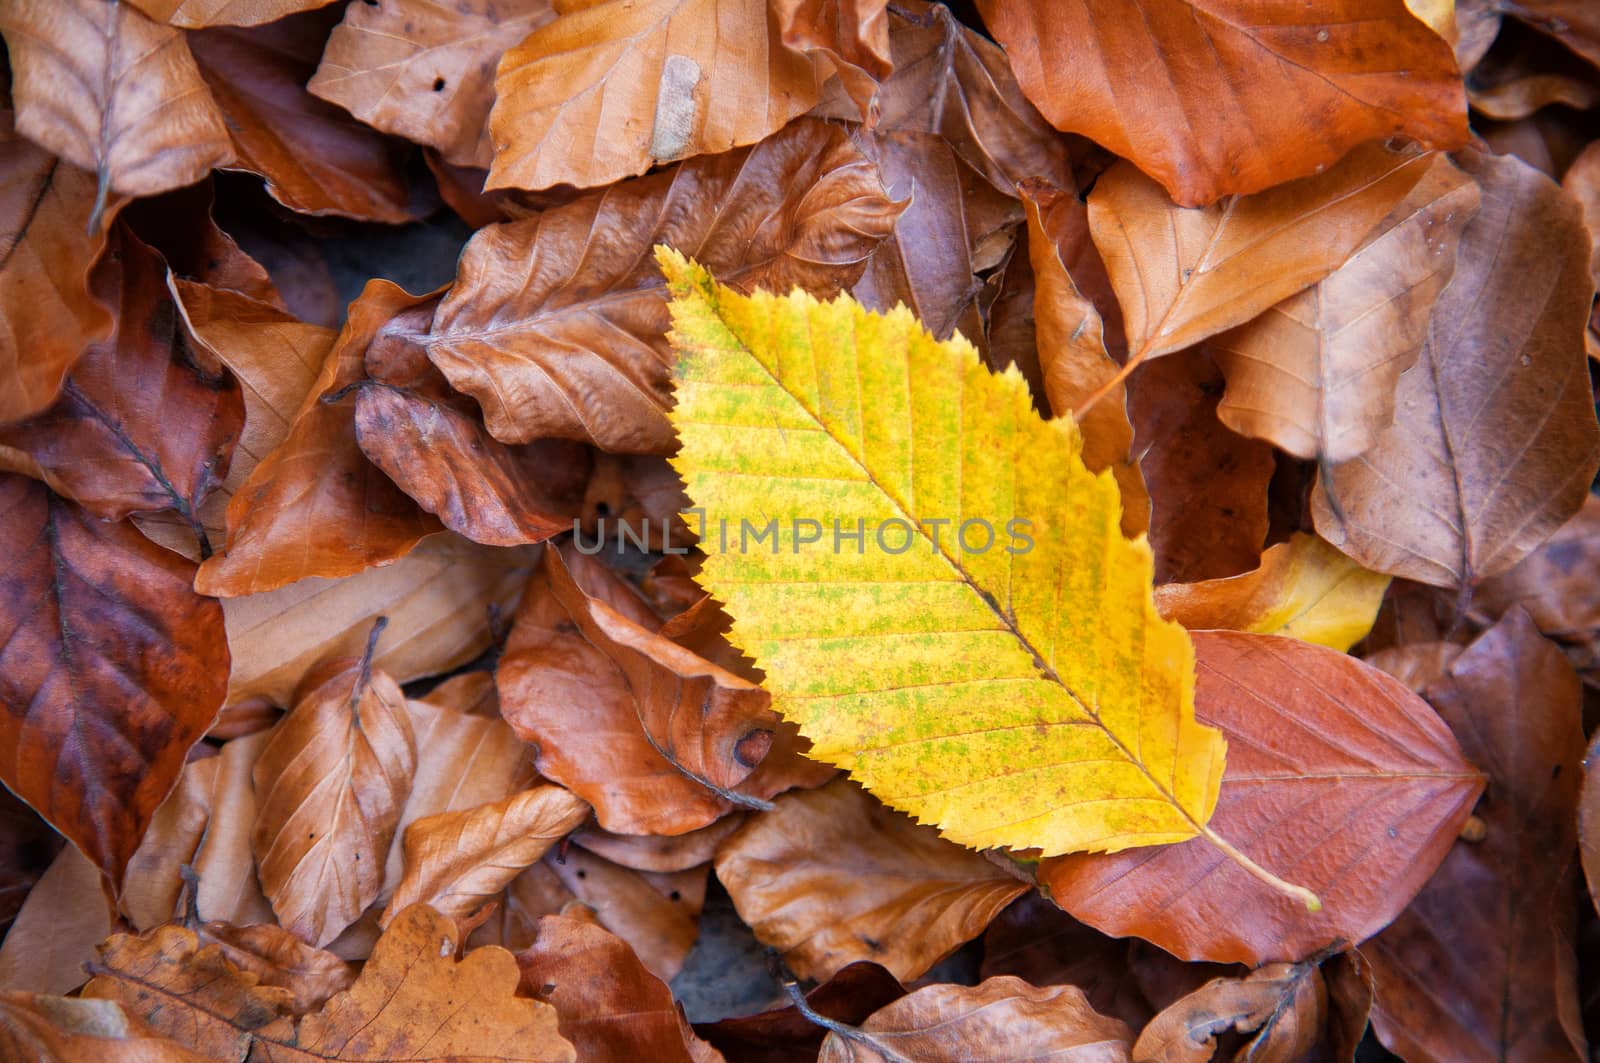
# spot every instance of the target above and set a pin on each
(956, 227)
(331, 783)
(655, 852)
(315, 158)
(113, 668)
(49, 248)
(433, 445)
(1286, 1003)
(1208, 485)
(1555, 583)
(56, 932)
(68, 1030)
(274, 356)
(279, 959)
(1582, 182)
(228, 890)
(141, 425)
(1214, 97)
(1001, 1018)
(1481, 966)
(1495, 442)
(1338, 779)
(1072, 346)
(611, 1007)
(612, 87)
(438, 599)
(831, 876)
(315, 506)
(424, 69)
(655, 737)
(851, 34)
(1316, 374)
(783, 1035)
(1573, 22)
(154, 882)
(198, 14)
(953, 81)
(457, 861)
(113, 93)
(656, 913)
(27, 847)
(557, 324)
(1182, 274)
(1588, 821)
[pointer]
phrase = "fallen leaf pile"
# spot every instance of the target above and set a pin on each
(928, 532)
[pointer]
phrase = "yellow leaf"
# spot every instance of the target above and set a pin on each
(1020, 693)
(1304, 588)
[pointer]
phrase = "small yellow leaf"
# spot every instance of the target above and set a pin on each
(988, 655)
(1304, 588)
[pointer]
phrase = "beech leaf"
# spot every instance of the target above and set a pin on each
(1285, 1002)
(198, 14)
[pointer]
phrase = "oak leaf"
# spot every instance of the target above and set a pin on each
(658, 739)
(1482, 964)
(315, 506)
(331, 783)
(455, 862)
(1000, 1018)
(1316, 374)
(424, 69)
(48, 315)
(613, 87)
(113, 93)
(556, 323)
(1304, 588)
(789, 408)
(113, 669)
(1217, 97)
(830, 877)
(315, 158)
(75, 1030)
(1497, 443)
(1338, 779)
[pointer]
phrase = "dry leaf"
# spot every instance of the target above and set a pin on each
(331, 783)
(28, 845)
(424, 69)
(1582, 182)
(783, 1035)
(456, 862)
(556, 323)
(1338, 779)
(49, 315)
(113, 93)
(1482, 963)
(831, 876)
(66, 1030)
(1495, 441)
(151, 890)
(853, 35)
(1304, 589)
(113, 669)
(655, 737)
(1216, 97)
(1286, 1003)
(228, 890)
(1555, 583)
(198, 14)
(315, 158)
(654, 852)
(657, 914)
(55, 934)
(1001, 1018)
(1316, 374)
(315, 506)
(612, 87)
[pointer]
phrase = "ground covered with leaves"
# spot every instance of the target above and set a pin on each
(866, 531)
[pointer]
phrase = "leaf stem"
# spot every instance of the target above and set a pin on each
(1288, 889)
(854, 1034)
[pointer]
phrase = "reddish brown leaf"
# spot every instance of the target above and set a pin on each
(557, 324)
(955, 82)
(47, 249)
(315, 158)
(1582, 182)
(424, 69)
(658, 739)
(1573, 22)
(315, 506)
(114, 93)
(1283, 1004)
(1216, 97)
(612, 87)
(198, 14)
(1001, 1018)
(654, 852)
(70, 1030)
(110, 669)
(331, 783)
(1338, 779)
(1481, 966)
(611, 1007)
(141, 425)
(831, 876)
(1496, 441)
(1208, 485)
(783, 1035)
(852, 34)
(1555, 583)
